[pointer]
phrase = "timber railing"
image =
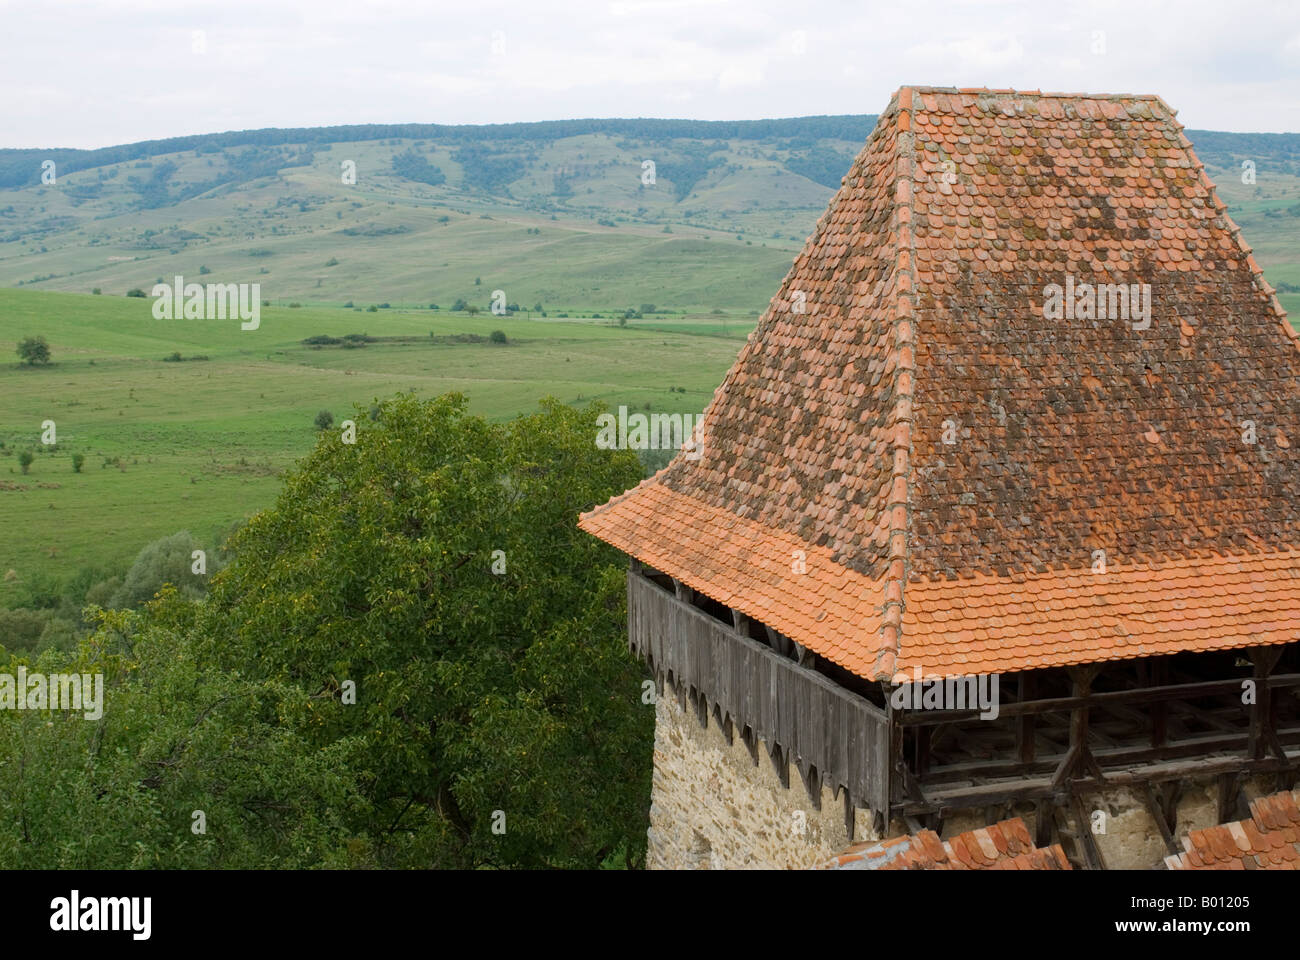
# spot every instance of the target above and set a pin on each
(831, 734)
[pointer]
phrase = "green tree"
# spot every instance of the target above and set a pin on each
(78, 460)
(497, 336)
(175, 735)
(34, 350)
(324, 420)
(484, 680)
(25, 460)
(369, 680)
(168, 560)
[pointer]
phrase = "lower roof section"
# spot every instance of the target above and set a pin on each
(972, 625)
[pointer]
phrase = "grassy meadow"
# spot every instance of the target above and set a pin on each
(198, 444)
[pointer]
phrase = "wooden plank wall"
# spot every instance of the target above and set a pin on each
(816, 722)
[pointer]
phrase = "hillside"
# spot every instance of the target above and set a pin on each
(553, 213)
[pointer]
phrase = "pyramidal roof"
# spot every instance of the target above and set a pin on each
(1023, 400)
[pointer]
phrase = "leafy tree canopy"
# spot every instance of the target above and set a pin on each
(433, 569)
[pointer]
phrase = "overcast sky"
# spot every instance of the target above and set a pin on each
(90, 74)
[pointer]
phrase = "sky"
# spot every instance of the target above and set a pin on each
(92, 74)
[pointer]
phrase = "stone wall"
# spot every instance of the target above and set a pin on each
(712, 807)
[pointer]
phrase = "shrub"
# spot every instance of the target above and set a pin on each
(497, 336)
(135, 292)
(34, 350)
(78, 460)
(324, 420)
(166, 560)
(25, 460)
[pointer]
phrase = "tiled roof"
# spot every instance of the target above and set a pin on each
(1001, 846)
(1269, 840)
(951, 462)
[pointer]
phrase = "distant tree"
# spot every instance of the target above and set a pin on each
(471, 310)
(135, 292)
(459, 306)
(167, 560)
(77, 460)
(497, 336)
(204, 271)
(324, 420)
(25, 460)
(34, 350)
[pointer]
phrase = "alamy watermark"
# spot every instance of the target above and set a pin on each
(212, 301)
(658, 431)
(58, 691)
(972, 692)
(1102, 301)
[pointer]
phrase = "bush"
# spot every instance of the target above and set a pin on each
(324, 420)
(34, 350)
(78, 460)
(166, 560)
(460, 305)
(25, 460)
(136, 292)
(497, 336)
(204, 271)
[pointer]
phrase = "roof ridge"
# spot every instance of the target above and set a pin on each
(904, 332)
(1052, 94)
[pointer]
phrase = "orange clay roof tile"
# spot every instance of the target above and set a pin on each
(983, 849)
(1267, 841)
(974, 484)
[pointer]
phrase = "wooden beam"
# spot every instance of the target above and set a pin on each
(1183, 691)
(1044, 814)
(1088, 842)
(1229, 792)
(1263, 732)
(1160, 814)
(1025, 729)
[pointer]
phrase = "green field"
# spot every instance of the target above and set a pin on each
(197, 444)
(554, 215)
